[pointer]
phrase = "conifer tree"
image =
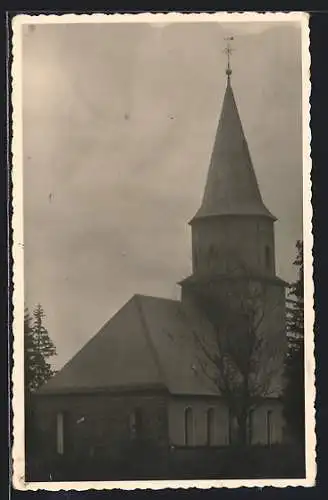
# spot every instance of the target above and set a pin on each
(29, 353)
(38, 349)
(294, 401)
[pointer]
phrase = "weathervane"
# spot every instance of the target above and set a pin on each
(228, 50)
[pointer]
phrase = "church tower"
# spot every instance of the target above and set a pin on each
(232, 222)
(233, 231)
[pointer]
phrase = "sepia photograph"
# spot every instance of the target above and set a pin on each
(163, 294)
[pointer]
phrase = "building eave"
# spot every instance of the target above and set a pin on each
(193, 280)
(199, 217)
(76, 391)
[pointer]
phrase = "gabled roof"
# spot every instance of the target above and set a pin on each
(231, 186)
(149, 342)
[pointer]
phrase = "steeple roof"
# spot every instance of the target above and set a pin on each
(231, 186)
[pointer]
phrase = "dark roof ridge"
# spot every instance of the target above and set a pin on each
(146, 296)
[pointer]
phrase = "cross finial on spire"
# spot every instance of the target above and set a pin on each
(228, 50)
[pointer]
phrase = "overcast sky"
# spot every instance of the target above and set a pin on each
(119, 122)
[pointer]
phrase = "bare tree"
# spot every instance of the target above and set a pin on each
(244, 359)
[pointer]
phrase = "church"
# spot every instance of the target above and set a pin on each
(145, 373)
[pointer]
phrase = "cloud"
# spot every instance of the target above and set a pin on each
(118, 126)
(252, 28)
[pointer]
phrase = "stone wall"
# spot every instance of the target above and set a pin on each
(99, 424)
(98, 442)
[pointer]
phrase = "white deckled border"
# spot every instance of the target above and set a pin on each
(158, 20)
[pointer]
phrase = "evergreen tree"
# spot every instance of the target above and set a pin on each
(38, 349)
(29, 353)
(294, 401)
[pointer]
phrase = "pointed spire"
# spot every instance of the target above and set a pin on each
(231, 186)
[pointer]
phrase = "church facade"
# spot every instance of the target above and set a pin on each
(147, 373)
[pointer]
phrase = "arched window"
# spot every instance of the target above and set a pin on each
(60, 433)
(188, 426)
(135, 423)
(212, 256)
(230, 426)
(250, 426)
(267, 257)
(269, 427)
(195, 259)
(210, 426)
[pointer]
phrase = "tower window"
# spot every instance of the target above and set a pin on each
(267, 257)
(212, 255)
(135, 423)
(188, 426)
(195, 259)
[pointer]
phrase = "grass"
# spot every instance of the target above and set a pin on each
(231, 462)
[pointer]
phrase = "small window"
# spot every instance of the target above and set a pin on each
(188, 426)
(212, 254)
(250, 426)
(135, 423)
(230, 426)
(267, 257)
(210, 426)
(195, 259)
(60, 433)
(233, 429)
(269, 427)
(212, 251)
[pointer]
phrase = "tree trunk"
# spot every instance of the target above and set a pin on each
(242, 428)
(242, 419)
